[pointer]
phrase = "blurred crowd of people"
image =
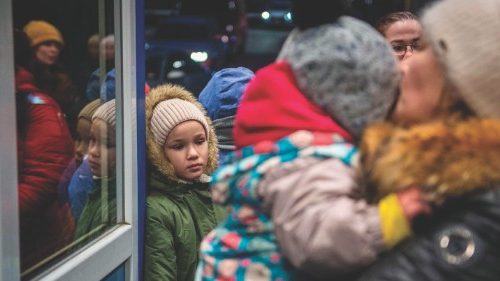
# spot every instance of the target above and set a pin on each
(361, 153)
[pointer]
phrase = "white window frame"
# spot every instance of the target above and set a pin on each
(117, 246)
(9, 222)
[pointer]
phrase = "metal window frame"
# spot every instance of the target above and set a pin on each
(118, 245)
(9, 222)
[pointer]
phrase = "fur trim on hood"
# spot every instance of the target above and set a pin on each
(443, 159)
(156, 153)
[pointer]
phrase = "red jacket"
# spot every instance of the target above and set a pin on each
(45, 148)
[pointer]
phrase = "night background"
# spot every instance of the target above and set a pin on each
(187, 40)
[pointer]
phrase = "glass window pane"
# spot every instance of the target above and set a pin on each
(66, 120)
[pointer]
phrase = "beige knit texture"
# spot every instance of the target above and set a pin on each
(465, 35)
(170, 113)
(89, 109)
(107, 113)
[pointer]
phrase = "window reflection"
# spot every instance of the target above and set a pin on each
(45, 148)
(100, 194)
(65, 91)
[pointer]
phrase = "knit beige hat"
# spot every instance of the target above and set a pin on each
(41, 31)
(465, 36)
(107, 113)
(170, 113)
(89, 109)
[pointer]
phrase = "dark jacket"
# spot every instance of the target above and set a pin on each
(462, 243)
(45, 148)
(457, 167)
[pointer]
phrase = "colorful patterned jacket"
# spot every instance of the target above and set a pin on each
(244, 246)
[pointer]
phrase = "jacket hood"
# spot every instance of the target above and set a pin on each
(273, 107)
(156, 154)
(352, 74)
(444, 159)
(223, 92)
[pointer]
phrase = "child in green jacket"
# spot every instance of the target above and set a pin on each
(99, 213)
(182, 152)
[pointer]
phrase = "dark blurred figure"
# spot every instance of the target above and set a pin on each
(50, 76)
(107, 48)
(90, 64)
(307, 14)
(44, 148)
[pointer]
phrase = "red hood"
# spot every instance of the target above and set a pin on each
(25, 81)
(273, 107)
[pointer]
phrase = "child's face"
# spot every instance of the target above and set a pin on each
(82, 140)
(102, 149)
(187, 149)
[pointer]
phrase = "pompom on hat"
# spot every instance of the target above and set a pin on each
(41, 31)
(465, 37)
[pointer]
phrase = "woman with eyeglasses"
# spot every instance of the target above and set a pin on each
(448, 146)
(403, 31)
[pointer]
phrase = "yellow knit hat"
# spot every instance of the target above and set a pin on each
(41, 31)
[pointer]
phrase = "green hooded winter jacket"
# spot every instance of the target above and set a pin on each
(179, 214)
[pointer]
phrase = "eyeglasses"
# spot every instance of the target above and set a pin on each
(401, 48)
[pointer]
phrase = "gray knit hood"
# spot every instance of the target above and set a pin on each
(347, 68)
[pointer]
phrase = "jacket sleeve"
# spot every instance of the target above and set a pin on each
(45, 151)
(160, 257)
(321, 222)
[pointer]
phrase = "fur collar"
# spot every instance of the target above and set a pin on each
(444, 158)
(156, 154)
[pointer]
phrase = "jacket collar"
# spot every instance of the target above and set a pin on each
(448, 158)
(162, 183)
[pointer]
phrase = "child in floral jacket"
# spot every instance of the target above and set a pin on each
(295, 204)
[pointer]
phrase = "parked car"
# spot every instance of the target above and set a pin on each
(195, 35)
(276, 14)
(176, 68)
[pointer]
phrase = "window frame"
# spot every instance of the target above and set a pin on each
(118, 245)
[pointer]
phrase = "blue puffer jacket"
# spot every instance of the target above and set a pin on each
(79, 187)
